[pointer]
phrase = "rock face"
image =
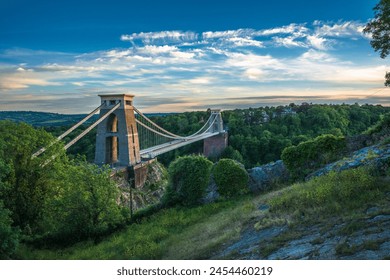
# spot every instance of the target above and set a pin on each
(376, 155)
(150, 193)
(263, 177)
(363, 239)
(212, 193)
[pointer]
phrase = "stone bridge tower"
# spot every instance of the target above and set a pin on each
(117, 141)
(214, 146)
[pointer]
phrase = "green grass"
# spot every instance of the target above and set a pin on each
(176, 233)
(330, 194)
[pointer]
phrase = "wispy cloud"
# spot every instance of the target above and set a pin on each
(196, 67)
(162, 37)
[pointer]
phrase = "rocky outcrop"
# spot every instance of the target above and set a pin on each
(263, 177)
(149, 193)
(377, 156)
(212, 193)
(367, 238)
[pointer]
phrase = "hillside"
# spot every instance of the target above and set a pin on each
(43, 119)
(255, 228)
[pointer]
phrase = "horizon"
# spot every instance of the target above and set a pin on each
(182, 112)
(178, 57)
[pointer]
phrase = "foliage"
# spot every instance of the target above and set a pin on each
(379, 28)
(310, 155)
(49, 197)
(383, 125)
(230, 177)
(9, 237)
(232, 153)
(28, 181)
(188, 176)
(261, 134)
(84, 204)
(334, 192)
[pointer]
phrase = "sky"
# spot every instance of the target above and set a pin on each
(174, 56)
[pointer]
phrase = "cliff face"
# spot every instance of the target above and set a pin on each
(150, 193)
(262, 178)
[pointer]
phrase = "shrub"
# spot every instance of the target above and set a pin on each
(188, 180)
(230, 177)
(307, 156)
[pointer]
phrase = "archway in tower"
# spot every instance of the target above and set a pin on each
(112, 148)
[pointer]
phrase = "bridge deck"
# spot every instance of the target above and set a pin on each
(152, 152)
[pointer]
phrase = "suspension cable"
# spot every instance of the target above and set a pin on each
(178, 137)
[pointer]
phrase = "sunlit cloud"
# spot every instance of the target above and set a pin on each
(190, 69)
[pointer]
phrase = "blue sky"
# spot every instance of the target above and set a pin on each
(57, 56)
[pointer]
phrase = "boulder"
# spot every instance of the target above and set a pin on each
(263, 177)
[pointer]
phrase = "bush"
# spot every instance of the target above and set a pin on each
(308, 156)
(188, 180)
(230, 177)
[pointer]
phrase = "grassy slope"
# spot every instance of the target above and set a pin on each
(198, 233)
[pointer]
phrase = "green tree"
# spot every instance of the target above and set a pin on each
(307, 156)
(84, 203)
(230, 177)
(28, 180)
(379, 28)
(189, 177)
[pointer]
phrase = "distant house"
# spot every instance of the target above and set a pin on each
(284, 112)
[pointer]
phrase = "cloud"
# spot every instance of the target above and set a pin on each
(289, 42)
(318, 42)
(161, 37)
(348, 29)
(195, 67)
(294, 29)
(22, 79)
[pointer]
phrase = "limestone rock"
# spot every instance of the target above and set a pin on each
(377, 156)
(262, 178)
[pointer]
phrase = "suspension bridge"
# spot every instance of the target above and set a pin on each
(128, 138)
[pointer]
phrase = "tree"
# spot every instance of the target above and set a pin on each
(83, 203)
(379, 28)
(188, 176)
(26, 181)
(231, 178)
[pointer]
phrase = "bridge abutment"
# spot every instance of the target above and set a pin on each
(214, 146)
